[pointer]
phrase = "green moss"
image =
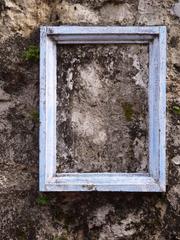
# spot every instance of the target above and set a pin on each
(57, 213)
(34, 114)
(21, 235)
(42, 200)
(176, 109)
(31, 53)
(69, 220)
(91, 187)
(128, 111)
(63, 237)
(2, 6)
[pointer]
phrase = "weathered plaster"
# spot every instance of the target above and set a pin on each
(104, 122)
(24, 213)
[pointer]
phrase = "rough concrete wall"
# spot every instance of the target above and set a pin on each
(24, 212)
(102, 108)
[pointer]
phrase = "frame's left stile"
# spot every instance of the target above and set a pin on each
(42, 108)
(47, 109)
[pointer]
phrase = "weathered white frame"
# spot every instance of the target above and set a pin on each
(155, 179)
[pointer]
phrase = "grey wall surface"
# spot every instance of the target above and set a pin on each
(102, 110)
(24, 212)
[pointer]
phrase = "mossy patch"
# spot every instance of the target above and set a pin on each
(63, 237)
(42, 200)
(128, 111)
(2, 6)
(31, 54)
(176, 109)
(34, 114)
(69, 220)
(21, 235)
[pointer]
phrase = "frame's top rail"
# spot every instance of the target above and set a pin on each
(66, 29)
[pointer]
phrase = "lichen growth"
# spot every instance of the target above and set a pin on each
(69, 219)
(176, 109)
(91, 187)
(21, 235)
(34, 114)
(2, 6)
(42, 200)
(63, 237)
(128, 111)
(31, 54)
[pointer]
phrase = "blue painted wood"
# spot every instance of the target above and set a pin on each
(102, 39)
(154, 108)
(162, 107)
(155, 180)
(47, 134)
(42, 107)
(83, 30)
(51, 82)
(104, 182)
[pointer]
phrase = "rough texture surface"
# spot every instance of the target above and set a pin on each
(24, 212)
(101, 118)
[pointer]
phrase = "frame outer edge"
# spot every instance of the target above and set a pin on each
(51, 65)
(153, 102)
(104, 188)
(45, 31)
(162, 107)
(42, 107)
(69, 29)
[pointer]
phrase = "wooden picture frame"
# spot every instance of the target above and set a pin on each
(155, 179)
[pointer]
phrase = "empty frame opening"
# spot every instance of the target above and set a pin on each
(102, 108)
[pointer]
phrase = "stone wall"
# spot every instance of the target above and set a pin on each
(24, 212)
(101, 118)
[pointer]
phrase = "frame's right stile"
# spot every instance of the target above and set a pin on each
(155, 179)
(162, 107)
(157, 107)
